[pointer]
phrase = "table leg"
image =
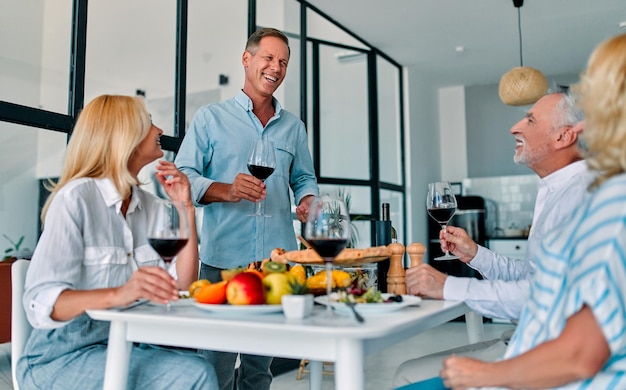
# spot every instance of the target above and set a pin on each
(349, 367)
(315, 375)
(475, 329)
(118, 357)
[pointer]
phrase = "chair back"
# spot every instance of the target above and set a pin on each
(20, 327)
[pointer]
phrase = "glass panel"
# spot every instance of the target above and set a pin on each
(210, 58)
(285, 16)
(360, 196)
(364, 231)
(320, 28)
(281, 14)
(35, 46)
(360, 201)
(26, 156)
(396, 211)
(133, 50)
(389, 122)
(343, 114)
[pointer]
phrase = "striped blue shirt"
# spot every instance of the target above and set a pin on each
(584, 262)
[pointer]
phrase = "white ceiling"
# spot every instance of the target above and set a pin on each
(558, 35)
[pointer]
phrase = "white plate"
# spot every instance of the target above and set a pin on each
(239, 309)
(184, 299)
(373, 308)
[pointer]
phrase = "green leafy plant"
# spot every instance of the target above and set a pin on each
(354, 231)
(297, 288)
(14, 248)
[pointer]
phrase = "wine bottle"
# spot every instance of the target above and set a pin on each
(394, 235)
(383, 238)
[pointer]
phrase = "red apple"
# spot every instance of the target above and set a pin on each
(245, 289)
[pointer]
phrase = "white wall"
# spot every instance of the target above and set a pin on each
(423, 145)
(19, 81)
(452, 133)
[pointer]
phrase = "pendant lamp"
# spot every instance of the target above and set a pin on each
(522, 85)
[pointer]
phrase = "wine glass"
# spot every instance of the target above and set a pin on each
(261, 165)
(168, 231)
(441, 206)
(327, 230)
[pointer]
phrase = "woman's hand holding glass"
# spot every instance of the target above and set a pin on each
(177, 186)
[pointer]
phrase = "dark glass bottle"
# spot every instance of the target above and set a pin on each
(386, 218)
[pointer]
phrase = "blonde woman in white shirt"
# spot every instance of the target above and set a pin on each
(93, 254)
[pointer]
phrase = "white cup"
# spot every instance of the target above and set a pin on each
(297, 306)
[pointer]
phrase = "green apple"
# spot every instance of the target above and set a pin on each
(276, 285)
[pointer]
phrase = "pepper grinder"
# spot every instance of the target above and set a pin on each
(416, 253)
(395, 275)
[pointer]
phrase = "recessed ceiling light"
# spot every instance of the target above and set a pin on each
(459, 49)
(622, 24)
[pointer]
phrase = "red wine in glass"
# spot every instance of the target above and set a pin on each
(168, 230)
(261, 165)
(167, 248)
(442, 215)
(260, 172)
(327, 229)
(441, 206)
(328, 248)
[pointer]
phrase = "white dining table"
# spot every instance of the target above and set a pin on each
(185, 325)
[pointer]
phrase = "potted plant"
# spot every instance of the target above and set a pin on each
(354, 232)
(12, 252)
(298, 304)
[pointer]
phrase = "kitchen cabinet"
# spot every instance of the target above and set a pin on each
(510, 247)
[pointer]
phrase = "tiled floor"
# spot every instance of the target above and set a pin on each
(379, 368)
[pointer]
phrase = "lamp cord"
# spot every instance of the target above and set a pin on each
(519, 27)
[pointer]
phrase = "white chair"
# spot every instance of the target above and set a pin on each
(20, 327)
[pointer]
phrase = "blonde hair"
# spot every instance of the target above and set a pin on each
(603, 98)
(104, 138)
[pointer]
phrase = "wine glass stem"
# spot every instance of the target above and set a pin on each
(329, 283)
(166, 267)
(443, 228)
(258, 207)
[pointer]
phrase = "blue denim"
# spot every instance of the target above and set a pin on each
(254, 371)
(435, 383)
(74, 356)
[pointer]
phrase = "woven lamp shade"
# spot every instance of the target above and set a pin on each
(522, 85)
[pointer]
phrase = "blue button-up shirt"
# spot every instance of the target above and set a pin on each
(215, 149)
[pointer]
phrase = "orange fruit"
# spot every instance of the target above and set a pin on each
(195, 286)
(299, 272)
(214, 293)
(258, 273)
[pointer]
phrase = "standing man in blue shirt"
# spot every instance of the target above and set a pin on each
(214, 156)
